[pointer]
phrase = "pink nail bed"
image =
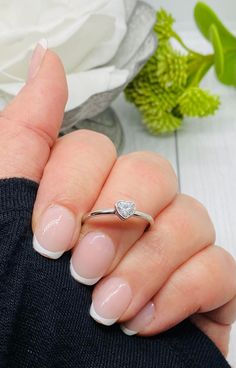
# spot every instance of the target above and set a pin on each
(37, 58)
(140, 321)
(54, 231)
(92, 257)
(110, 301)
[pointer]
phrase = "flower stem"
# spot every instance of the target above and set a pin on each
(181, 42)
(198, 68)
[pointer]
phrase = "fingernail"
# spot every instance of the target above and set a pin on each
(54, 232)
(110, 301)
(140, 321)
(37, 58)
(92, 257)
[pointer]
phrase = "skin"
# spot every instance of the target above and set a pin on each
(81, 171)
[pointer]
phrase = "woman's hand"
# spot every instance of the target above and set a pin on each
(150, 280)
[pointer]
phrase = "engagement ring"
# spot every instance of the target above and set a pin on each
(123, 210)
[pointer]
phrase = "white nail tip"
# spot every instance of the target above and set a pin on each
(44, 43)
(99, 319)
(45, 252)
(127, 331)
(81, 279)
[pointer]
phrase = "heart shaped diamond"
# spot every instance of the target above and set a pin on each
(125, 209)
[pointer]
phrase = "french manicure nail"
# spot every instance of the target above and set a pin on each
(140, 321)
(37, 58)
(92, 257)
(54, 231)
(110, 301)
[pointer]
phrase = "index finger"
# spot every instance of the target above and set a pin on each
(29, 125)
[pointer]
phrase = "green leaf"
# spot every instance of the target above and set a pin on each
(218, 48)
(198, 69)
(205, 17)
(228, 76)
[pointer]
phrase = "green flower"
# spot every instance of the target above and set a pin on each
(159, 122)
(148, 96)
(198, 102)
(172, 68)
(167, 87)
(163, 26)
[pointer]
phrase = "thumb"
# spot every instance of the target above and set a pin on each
(29, 125)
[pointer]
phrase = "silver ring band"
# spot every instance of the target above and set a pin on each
(123, 210)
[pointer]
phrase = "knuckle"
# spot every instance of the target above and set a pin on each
(197, 211)
(97, 139)
(193, 203)
(187, 290)
(217, 266)
(151, 167)
(24, 130)
(228, 261)
(149, 157)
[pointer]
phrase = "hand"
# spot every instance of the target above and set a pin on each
(150, 280)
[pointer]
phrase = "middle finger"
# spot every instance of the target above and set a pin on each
(180, 231)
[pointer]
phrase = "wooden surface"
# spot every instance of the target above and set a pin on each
(203, 154)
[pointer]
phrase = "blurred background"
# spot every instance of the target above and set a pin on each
(183, 10)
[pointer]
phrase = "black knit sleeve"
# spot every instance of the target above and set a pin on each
(44, 318)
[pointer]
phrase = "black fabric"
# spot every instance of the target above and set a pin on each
(44, 319)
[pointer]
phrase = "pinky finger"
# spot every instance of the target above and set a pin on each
(204, 283)
(226, 314)
(218, 333)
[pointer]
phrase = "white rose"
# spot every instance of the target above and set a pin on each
(86, 34)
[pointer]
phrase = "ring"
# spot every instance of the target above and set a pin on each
(123, 210)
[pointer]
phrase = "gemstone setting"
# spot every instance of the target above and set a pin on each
(125, 209)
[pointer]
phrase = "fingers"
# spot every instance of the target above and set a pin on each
(181, 230)
(219, 334)
(142, 177)
(226, 314)
(71, 182)
(30, 123)
(205, 282)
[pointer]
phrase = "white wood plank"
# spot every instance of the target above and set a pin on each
(207, 157)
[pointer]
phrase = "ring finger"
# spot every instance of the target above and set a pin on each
(142, 177)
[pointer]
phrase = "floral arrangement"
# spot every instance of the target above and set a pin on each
(168, 87)
(91, 37)
(86, 35)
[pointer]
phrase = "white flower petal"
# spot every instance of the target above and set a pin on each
(105, 51)
(140, 25)
(70, 41)
(129, 7)
(81, 86)
(19, 38)
(85, 34)
(42, 15)
(75, 50)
